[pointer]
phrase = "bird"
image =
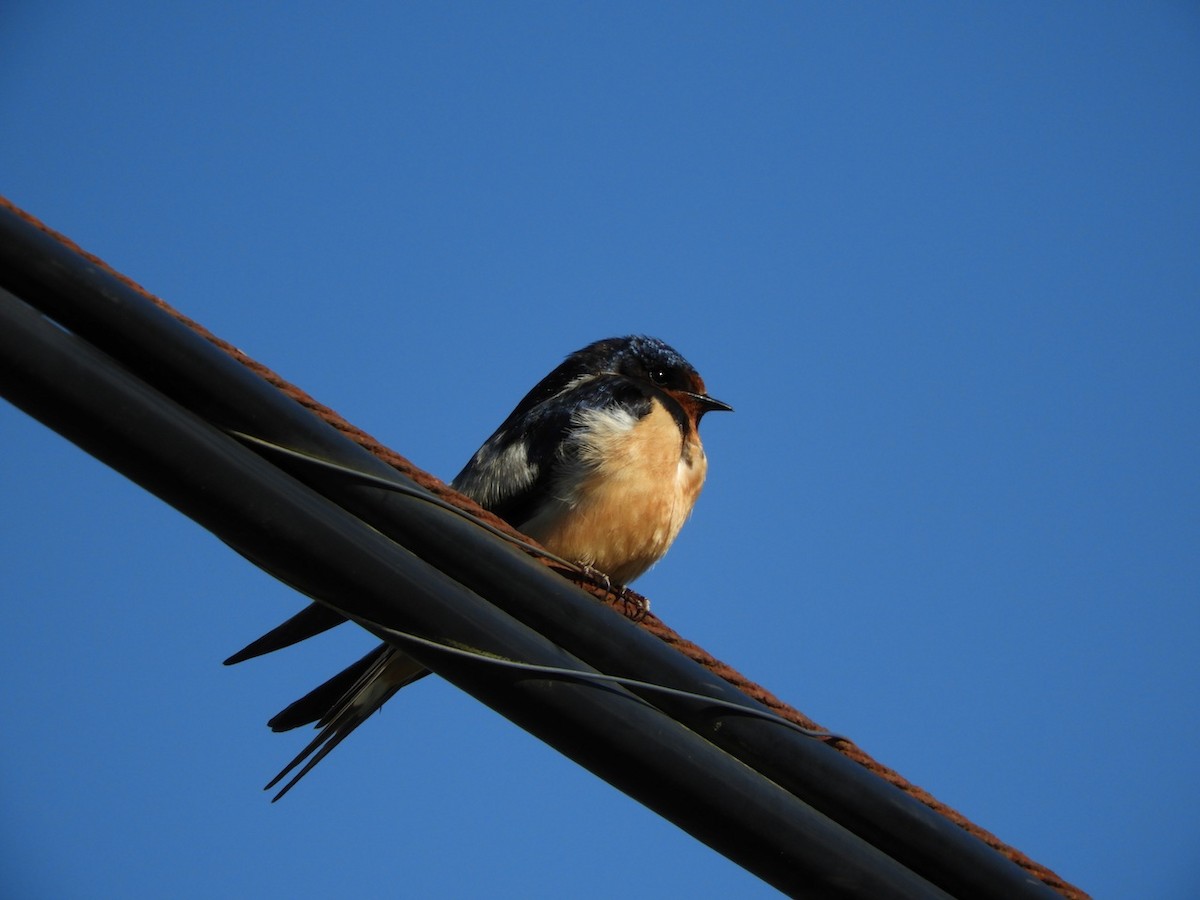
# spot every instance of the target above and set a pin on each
(601, 463)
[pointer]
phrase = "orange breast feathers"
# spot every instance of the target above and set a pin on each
(621, 501)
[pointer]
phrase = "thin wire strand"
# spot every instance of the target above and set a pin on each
(601, 678)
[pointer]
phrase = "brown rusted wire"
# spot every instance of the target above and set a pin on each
(629, 603)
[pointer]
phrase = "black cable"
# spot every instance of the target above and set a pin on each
(199, 377)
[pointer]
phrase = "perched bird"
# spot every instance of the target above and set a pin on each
(601, 463)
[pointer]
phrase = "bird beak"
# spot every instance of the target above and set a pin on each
(710, 404)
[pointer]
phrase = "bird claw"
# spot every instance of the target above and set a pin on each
(635, 605)
(596, 577)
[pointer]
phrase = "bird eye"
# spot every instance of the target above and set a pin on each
(658, 376)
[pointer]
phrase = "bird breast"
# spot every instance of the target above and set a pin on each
(624, 494)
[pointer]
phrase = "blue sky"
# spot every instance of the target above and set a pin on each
(944, 259)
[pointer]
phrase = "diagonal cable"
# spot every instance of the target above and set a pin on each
(219, 385)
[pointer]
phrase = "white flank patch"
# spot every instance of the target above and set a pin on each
(500, 475)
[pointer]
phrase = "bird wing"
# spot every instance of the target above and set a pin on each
(309, 622)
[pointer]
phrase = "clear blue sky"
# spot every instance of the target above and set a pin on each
(943, 258)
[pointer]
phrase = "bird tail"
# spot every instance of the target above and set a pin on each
(342, 703)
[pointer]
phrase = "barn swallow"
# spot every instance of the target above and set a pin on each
(601, 463)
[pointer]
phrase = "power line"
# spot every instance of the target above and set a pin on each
(94, 357)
